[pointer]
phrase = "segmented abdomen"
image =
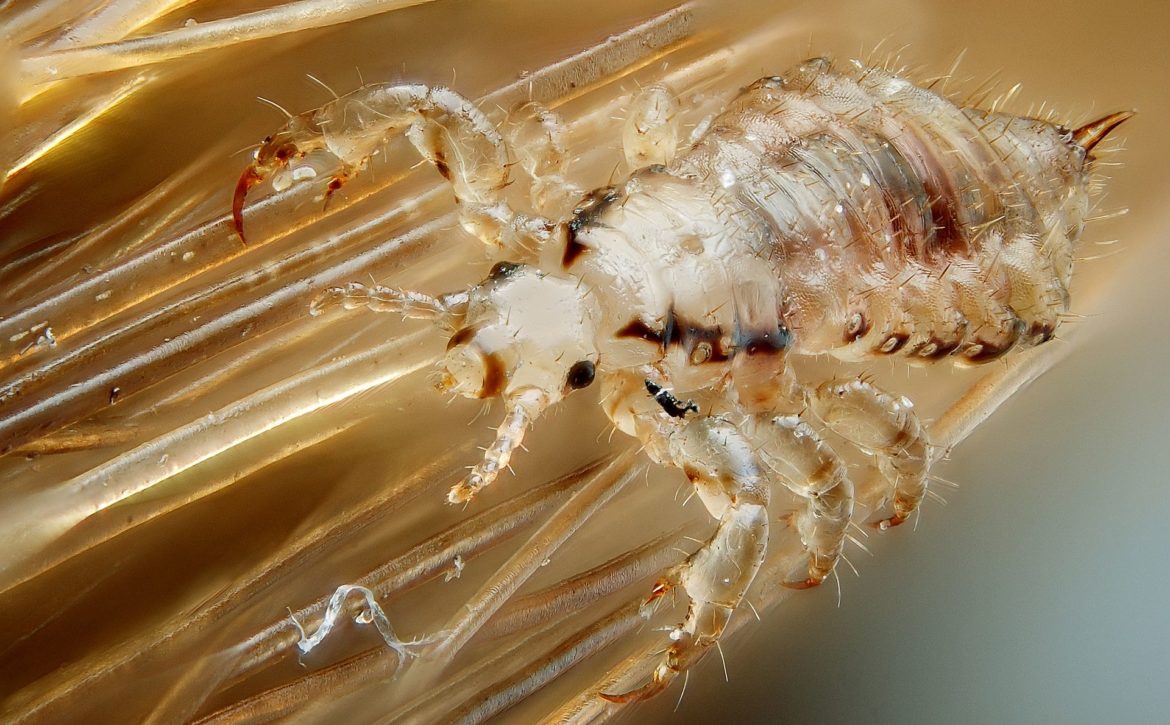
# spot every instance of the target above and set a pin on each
(897, 221)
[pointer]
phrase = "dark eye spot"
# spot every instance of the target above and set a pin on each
(581, 375)
(503, 270)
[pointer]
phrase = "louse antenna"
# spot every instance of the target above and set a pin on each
(520, 410)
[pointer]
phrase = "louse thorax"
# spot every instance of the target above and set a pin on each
(524, 330)
(687, 285)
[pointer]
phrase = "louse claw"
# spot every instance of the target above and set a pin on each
(685, 652)
(888, 523)
(251, 177)
(808, 583)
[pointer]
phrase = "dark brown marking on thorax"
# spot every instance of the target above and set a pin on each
(689, 335)
(587, 212)
(703, 344)
(640, 330)
(752, 343)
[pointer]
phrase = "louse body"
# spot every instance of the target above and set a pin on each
(841, 211)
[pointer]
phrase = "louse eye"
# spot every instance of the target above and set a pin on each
(581, 375)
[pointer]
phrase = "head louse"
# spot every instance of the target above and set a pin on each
(832, 210)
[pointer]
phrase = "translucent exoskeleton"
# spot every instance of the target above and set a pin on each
(835, 210)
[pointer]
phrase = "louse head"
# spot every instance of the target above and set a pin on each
(523, 330)
(528, 337)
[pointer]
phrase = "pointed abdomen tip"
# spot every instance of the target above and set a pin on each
(1091, 134)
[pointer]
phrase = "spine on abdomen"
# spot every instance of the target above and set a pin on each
(898, 222)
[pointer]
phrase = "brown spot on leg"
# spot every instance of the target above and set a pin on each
(335, 183)
(1041, 332)
(440, 161)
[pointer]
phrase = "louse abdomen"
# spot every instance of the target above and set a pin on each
(899, 222)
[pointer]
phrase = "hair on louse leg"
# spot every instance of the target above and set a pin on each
(322, 84)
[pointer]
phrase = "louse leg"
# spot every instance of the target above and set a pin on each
(886, 427)
(447, 310)
(447, 130)
(721, 463)
(807, 466)
(760, 376)
(536, 136)
(650, 134)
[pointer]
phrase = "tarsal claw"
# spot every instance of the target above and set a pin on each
(251, 177)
